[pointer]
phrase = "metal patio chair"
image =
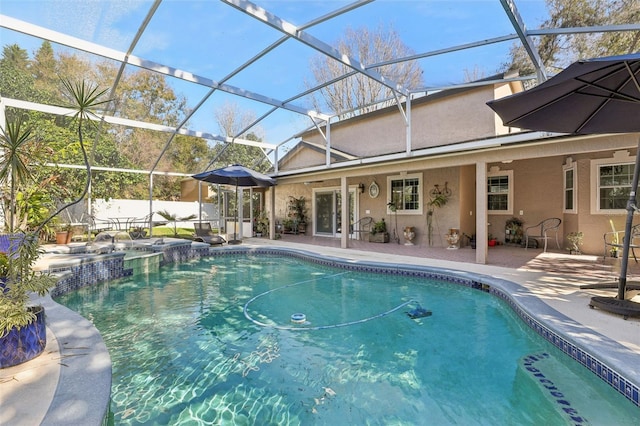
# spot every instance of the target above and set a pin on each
(361, 227)
(544, 230)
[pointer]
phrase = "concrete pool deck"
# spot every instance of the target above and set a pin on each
(29, 392)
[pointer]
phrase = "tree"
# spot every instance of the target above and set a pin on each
(231, 121)
(15, 79)
(141, 95)
(558, 51)
(359, 91)
(45, 74)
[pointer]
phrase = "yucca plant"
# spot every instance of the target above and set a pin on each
(24, 248)
(14, 143)
(173, 218)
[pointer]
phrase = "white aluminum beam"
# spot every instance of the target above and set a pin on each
(49, 109)
(105, 52)
(285, 27)
(511, 10)
(578, 30)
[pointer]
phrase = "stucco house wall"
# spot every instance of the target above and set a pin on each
(456, 118)
(436, 122)
(536, 163)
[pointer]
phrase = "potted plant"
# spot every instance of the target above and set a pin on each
(22, 326)
(513, 230)
(287, 226)
(64, 233)
(492, 241)
(575, 238)
(438, 199)
(262, 224)
(379, 232)
(298, 213)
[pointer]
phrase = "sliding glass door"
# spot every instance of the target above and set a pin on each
(328, 211)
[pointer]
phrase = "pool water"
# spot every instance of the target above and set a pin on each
(188, 348)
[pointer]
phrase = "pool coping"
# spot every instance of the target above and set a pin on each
(84, 383)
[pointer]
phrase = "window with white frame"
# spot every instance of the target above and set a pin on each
(570, 187)
(500, 192)
(405, 193)
(613, 186)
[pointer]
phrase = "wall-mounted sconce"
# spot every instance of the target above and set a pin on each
(361, 187)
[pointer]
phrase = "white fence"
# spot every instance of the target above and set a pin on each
(118, 210)
(121, 209)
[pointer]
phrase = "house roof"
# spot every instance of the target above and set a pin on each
(335, 154)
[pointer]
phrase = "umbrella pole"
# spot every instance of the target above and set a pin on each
(631, 207)
(235, 226)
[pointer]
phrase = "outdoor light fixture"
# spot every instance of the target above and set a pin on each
(361, 187)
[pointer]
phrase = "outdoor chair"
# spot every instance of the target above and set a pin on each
(360, 227)
(614, 242)
(544, 230)
(97, 225)
(205, 234)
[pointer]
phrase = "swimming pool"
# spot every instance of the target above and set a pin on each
(186, 346)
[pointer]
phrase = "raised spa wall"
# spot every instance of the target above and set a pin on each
(83, 271)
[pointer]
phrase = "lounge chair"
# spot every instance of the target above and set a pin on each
(205, 234)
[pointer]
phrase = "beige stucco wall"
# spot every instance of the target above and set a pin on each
(453, 119)
(301, 158)
(537, 194)
(593, 225)
(537, 185)
(189, 190)
(442, 121)
(467, 200)
(501, 91)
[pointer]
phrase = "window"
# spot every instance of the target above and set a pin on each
(614, 186)
(570, 189)
(405, 193)
(500, 192)
(611, 180)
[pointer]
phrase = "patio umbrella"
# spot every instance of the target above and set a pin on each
(239, 176)
(593, 96)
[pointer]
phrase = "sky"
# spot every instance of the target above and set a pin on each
(212, 39)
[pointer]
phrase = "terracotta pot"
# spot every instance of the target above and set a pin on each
(63, 237)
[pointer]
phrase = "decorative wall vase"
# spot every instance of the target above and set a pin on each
(24, 344)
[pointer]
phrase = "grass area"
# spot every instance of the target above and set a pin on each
(158, 232)
(169, 231)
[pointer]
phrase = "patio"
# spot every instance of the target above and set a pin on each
(590, 269)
